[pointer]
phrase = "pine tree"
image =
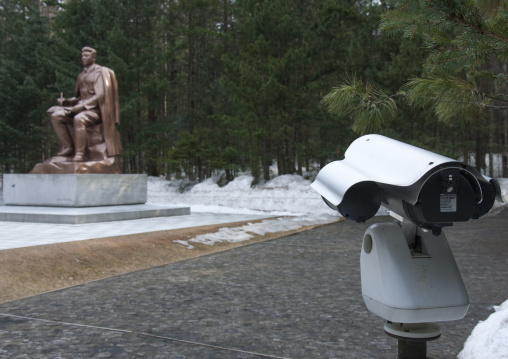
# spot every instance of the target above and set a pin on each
(26, 77)
(287, 54)
(460, 82)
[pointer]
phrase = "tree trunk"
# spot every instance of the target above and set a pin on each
(505, 148)
(298, 147)
(190, 68)
(267, 159)
(491, 145)
(480, 150)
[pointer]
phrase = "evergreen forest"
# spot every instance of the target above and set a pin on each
(211, 87)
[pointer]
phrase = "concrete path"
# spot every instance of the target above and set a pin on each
(18, 234)
(293, 297)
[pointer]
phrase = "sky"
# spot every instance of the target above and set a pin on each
(292, 196)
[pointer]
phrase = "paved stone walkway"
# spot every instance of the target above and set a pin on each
(294, 297)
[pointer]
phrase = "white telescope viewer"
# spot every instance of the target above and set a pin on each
(408, 272)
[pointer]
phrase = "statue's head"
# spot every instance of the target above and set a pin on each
(88, 55)
(90, 50)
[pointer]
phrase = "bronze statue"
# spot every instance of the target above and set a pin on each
(86, 124)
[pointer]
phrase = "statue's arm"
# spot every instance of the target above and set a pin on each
(71, 106)
(67, 101)
(64, 104)
(81, 106)
(71, 101)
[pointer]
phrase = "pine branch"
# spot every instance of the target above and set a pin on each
(459, 33)
(369, 107)
(478, 29)
(496, 99)
(453, 99)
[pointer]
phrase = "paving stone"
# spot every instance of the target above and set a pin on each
(294, 297)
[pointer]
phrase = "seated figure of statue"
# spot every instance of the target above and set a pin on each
(95, 104)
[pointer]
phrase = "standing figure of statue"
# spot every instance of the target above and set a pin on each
(86, 123)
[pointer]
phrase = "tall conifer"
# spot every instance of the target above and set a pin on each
(463, 81)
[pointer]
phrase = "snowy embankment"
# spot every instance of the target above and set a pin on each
(299, 205)
(289, 197)
(284, 195)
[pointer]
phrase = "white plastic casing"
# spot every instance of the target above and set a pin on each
(378, 159)
(405, 289)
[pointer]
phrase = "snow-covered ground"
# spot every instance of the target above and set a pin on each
(489, 338)
(288, 196)
(291, 196)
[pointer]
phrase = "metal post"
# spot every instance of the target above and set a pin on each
(412, 350)
(413, 338)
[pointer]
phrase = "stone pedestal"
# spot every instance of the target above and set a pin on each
(79, 198)
(84, 215)
(74, 190)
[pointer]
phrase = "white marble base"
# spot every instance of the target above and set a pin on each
(85, 215)
(74, 190)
